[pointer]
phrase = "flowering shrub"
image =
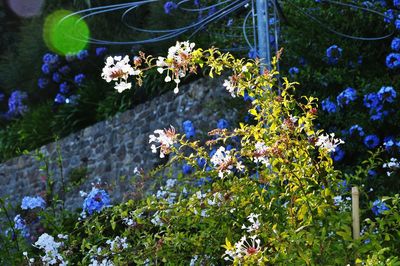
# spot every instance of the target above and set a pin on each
(272, 195)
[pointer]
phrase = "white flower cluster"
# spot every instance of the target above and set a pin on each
(230, 87)
(392, 165)
(260, 152)
(255, 223)
(224, 161)
(328, 142)
(176, 63)
(94, 259)
(243, 248)
(47, 243)
(166, 139)
(118, 244)
(118, 69)
(166, 192)
(344, 203)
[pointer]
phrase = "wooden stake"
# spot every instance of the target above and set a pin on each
(355, 206)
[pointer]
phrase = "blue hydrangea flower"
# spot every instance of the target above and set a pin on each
(32, 203)
(189, 129)
(346, 96)
(46, 69)
(65, 70)
(371, 100)
(187, 169)
(389, 16)
(83, 54)
(354, 128)
(78, 79)
(60, 99)
(64, 88)
(96, 201)
(222, 123)
(393, 60)
(56, 77)
(387, 94)
(397, 24)
(101, 51)
(43, 83)
(338, 154)
(395, 45)
(328, 106)
(169, 6)
(333, 53)
(371, 141)
(50, 59)
(15, 103)
(378, 114)
(293, 71)
(378, 207)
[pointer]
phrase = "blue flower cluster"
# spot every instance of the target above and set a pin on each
(378, 207)
(371, 141)
(96, 201)
(169, 6)
(346, 96)
(293, 71)
(333, 53)
(189, 129)
(328, 106)
(20, 225)
(222, 124)
(15, 103)
(375, 102)
(29, 203)
(356, 128)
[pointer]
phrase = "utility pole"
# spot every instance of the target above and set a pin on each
(263, 41)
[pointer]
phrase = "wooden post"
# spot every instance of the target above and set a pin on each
(355, 206)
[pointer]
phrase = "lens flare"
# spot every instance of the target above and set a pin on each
(26, 8)
(65, 32)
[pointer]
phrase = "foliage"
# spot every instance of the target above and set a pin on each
(274, 198)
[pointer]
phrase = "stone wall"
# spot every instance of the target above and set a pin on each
(111, 149)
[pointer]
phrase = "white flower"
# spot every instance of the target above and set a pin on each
(118, 244)
(47, 243)
(166, 138)
(259, 155)
(243, 248)
(119, 69)
(228, 84)
(328, 142)
(223, 160)
(255, 223)
(393, 165)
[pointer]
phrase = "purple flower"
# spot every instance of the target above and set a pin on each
(82, 55)
(15, 103)
(395, 45)
(101, 51)
(293, 71)
(64, 70)
(189, 129)
(46, 68)
(393, 60)
(328, 106)
(56, 77)
(389, 16)
(387, 94)
(187, 169)
(222, 123)
(79, 79)
(378, 207)
(333, 53)
(64, 88)
(338, 154)
(96, 201)
(29, 203)
(371, 100)
(346, 96)
(60, 99)
(357, 128)
(169, 6)
(371, 141)
(43, 83)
